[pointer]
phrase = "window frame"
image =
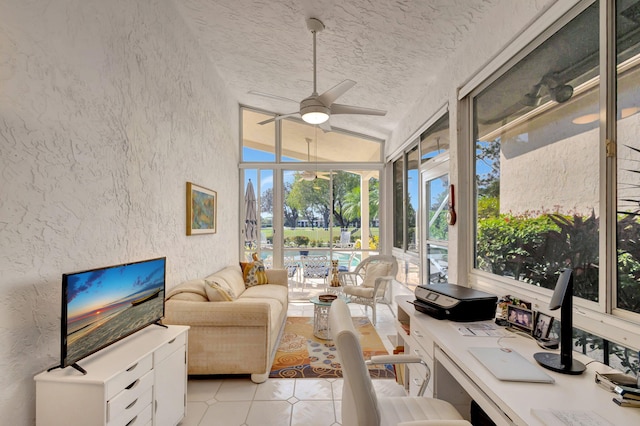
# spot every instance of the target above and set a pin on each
(413, 142)
(601, 318)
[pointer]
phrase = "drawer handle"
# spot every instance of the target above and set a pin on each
(417, 382)
(132, 367)
(172, 340)
(132, 384)
(417, 352)
(417, 333)
(133, 420)
(132, 404)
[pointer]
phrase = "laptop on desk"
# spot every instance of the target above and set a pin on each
(508, 365)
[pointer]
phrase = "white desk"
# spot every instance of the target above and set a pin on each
(458, 377)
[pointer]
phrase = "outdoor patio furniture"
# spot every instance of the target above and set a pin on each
(293, 269)
(314, 267)
(368, 283)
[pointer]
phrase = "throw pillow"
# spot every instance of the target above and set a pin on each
(254, 273)
(375, 270)
(219, 291)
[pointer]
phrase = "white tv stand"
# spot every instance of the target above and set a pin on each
(140, 380)
(460, 378)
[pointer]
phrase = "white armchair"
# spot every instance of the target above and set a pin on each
(360, 404)
(368, 283)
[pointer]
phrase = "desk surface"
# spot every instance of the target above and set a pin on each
(516, 399)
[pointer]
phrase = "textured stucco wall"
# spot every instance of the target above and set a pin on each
(107, 109)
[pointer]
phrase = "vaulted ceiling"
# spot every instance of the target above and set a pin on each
(393, 49)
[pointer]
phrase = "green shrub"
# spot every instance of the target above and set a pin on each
(301, 240)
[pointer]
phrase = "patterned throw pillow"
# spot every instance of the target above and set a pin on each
(219, 291)
(253, 272)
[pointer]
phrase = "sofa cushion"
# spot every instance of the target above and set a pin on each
(190, 297)
(268, 291)
(193, 290)
(232, 276)
(253, 273)
(219, 291)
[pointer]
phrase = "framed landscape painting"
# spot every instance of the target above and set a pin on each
(201, 210)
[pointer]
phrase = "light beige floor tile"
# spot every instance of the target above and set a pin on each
(226, 413)
(275, 390)
(271, 413)
(195, 411)
(241, 389)
(313, 389)
(337, 406)
(313, 413)
(202, 389)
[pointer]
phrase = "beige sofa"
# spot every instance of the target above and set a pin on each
(234, 330)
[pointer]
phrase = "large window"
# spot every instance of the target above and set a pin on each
(557, 176)
(628, 155)
(307, 191)
(537, 161)
(421, 248)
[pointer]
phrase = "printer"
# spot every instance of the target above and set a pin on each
(455, 303)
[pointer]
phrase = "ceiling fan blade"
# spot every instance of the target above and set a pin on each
(326, 127)
(328, 97)
(278, 117)
(269, 95)
(348, 109)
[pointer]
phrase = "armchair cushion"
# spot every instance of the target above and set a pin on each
(359, 291)
(375, 270)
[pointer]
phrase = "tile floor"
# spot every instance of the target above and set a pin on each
(236, 401)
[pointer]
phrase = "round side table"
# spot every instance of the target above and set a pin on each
(321, 317)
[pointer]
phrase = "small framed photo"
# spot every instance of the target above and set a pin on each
(543, 326)
(520, 318)
(201, 210)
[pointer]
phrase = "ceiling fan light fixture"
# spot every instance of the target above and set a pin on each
(315, 117)
(313, 112)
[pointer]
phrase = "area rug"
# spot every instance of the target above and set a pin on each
(302, 355)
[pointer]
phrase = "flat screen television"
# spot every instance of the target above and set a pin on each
(104, 305)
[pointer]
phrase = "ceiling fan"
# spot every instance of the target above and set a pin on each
(316, 109)
(310, 175)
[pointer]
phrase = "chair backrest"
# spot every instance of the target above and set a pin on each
(291, 265)
(315, 266)
(345, 238)
(368, 262)
(359, 401)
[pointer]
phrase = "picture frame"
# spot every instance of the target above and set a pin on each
(202, 205)
(543, 326)
(520, 318)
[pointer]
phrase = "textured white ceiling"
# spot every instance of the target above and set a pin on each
(392, 49)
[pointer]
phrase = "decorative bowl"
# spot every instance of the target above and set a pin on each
(327, 297)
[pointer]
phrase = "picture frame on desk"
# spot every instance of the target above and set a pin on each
(543, 325)
(520, 318)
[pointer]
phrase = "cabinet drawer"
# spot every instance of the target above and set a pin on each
(423, 340)
(169, 348)
(128, 396)
(128, 376)
(138, 413)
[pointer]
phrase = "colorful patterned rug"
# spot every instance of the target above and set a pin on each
(302, 355)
